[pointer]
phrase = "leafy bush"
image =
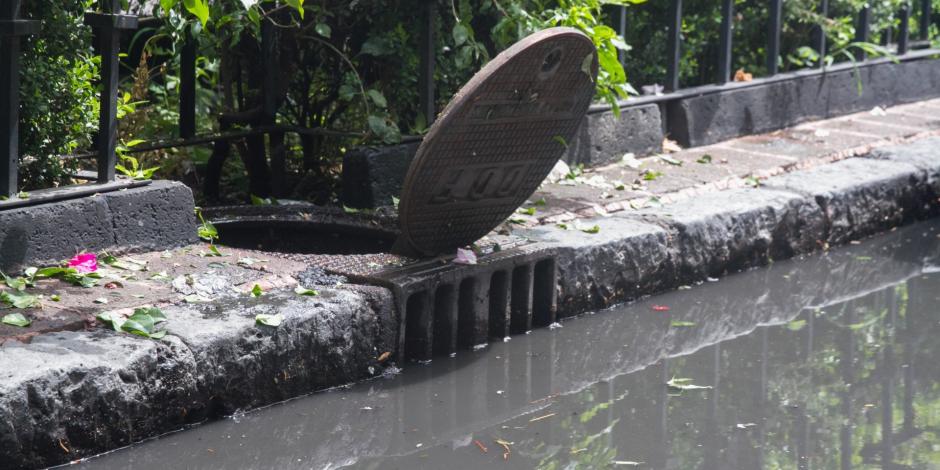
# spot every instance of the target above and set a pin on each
(59, 102)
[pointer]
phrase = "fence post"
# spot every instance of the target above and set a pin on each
(674, 46)
(427, 64)
(724, 47)
(108, 26)
(622, 30)
(187, 104)
(12, 29)
(863, 32)
(904, 31)
(773, 40)
(924, 20)
(819, 33)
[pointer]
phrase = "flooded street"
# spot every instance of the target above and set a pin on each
(828, 362)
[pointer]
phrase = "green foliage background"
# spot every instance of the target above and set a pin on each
(352, 66)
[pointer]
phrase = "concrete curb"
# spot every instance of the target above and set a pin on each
(94, 391)
(648, 251)
(73, 394)
(153, 217)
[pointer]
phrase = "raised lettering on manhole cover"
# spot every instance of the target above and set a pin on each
(496, 141)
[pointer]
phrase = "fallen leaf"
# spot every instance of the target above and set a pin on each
(269, 320)
(384, 356)
(741, 76)
(301, 290)
(671, 146)
(682, 324)
(16, 319)
(681, 385)
(480, 445)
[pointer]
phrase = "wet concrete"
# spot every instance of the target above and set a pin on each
(822, 362)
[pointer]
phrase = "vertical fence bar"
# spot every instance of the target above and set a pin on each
(819, 33)
(187, 104)
(773, 40)
(724, 47)
(924, 20)
(622, 30)
(427, 64)
(674, 45)
(11, 31)
(108, 26)
(863, 32)
(904, 30)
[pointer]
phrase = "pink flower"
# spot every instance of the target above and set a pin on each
(465, 257)
(84, 263)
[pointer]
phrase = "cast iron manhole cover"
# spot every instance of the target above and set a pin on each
(496, 141)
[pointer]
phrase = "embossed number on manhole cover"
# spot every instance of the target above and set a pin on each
(497, 140)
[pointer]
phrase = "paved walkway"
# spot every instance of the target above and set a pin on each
(671, 177)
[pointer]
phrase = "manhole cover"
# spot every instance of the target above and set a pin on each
(496, 141)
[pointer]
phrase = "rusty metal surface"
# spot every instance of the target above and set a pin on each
(496, 141)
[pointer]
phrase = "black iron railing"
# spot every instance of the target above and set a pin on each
(109, 23)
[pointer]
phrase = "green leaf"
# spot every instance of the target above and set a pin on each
(460, 34)
(16, 319)
(111, 319)
(704, 159)
(269, 320)
(16, 283)
(53, 272)
(207, 231)
(378, 98)
(199, 8)
(323, 29)
(135, 328)
(301, 290)
(592, 230)
(682, 324)
(670, 160)
(153, 312)
(650, 175)
(256, 291)
(298, 5)
(168, 5)
(20, 299)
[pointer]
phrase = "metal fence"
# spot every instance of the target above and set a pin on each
(109, 24)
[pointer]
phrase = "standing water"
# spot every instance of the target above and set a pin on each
(825, 362)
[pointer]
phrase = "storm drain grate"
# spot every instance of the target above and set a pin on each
(445, 307)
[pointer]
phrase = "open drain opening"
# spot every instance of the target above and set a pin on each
(499, 306)
(543, 293)
(521, 300)
(445, 320)
(417, 326)
(296, 236)
(467, 314)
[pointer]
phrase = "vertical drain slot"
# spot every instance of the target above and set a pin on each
(544, 303)
(465, 313)
(521, 300)
(418, 327)
(445, 320)
(499, 305)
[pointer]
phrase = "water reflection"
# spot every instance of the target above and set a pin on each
(825, 363)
